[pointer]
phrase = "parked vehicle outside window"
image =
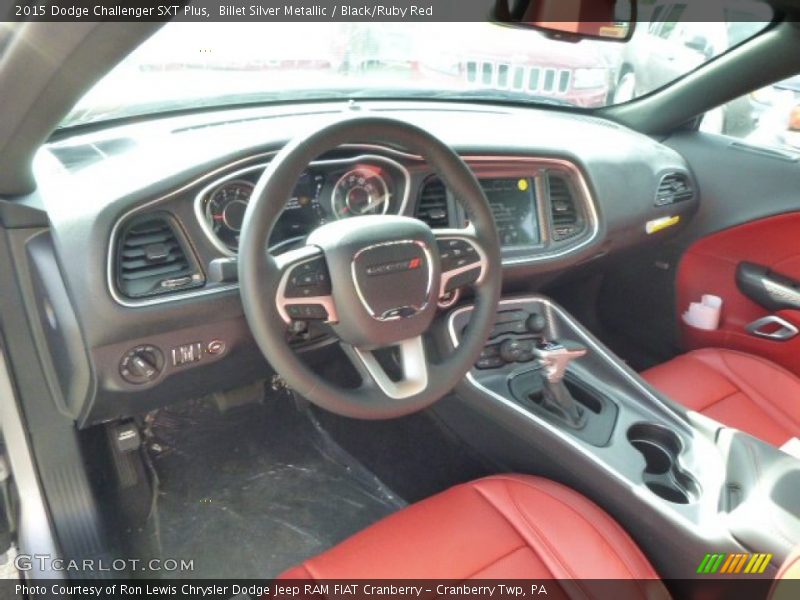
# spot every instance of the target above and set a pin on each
(776, 111)
(679, 38)
(200, 65)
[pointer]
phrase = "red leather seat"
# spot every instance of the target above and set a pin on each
(739, 390)
(506, 526)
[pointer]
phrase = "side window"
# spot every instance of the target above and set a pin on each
(693, 37)
(671, 19)
(740, 29)
(767, 117)
(655, 19)
(683, 33)
(666, 29)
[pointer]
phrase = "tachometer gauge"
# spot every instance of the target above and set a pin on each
(362, 191)
(225, 211)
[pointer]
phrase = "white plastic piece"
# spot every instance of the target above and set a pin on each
(792, 447)
(704, 314)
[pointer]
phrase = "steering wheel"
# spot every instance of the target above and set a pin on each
(374, 279)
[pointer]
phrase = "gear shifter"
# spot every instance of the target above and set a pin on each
(555, 357)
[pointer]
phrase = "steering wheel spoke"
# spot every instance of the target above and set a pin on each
(462, 257)
(413, 368)
(304, 292)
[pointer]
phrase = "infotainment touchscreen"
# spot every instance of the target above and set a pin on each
(513, 203)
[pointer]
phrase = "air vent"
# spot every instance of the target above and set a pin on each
(432, 205)
(567, 221)
(674, 187)
(153, 258)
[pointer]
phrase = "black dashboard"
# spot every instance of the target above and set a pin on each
(542, 207)
(166, 210)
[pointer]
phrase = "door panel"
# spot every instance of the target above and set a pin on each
(737, 184)
(709, 267)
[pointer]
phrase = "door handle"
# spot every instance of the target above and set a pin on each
(771, 290)
(766, 328)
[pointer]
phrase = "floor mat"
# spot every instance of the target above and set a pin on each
(417, 455)
(253, 491)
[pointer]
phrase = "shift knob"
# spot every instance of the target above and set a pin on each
(556, 356)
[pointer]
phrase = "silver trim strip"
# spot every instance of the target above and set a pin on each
(414, 365)
(586, 199)
(786, 332)
(112, 288)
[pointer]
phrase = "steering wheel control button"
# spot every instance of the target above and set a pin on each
(141, 364)
(309, 279)
(463, 279)
(456, 253)
(448, 299)
(187, 354)
(307, 312)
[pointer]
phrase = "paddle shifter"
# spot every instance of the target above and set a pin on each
(555, 357)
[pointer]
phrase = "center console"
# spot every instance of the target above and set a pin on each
(547, 397)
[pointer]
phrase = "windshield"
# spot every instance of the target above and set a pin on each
(200, 65)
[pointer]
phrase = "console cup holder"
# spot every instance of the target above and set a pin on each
(663, 476)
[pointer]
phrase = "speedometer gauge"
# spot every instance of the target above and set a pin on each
(225, 211)
(362, 191)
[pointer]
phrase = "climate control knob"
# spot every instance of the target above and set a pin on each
(514, 350)
(536, 323)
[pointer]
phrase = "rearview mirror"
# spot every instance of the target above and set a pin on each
(571, 20)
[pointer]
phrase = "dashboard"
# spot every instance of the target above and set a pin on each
(185, 245)
(144, 239)
(371, 185)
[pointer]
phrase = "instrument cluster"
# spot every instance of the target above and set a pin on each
(328, 190)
